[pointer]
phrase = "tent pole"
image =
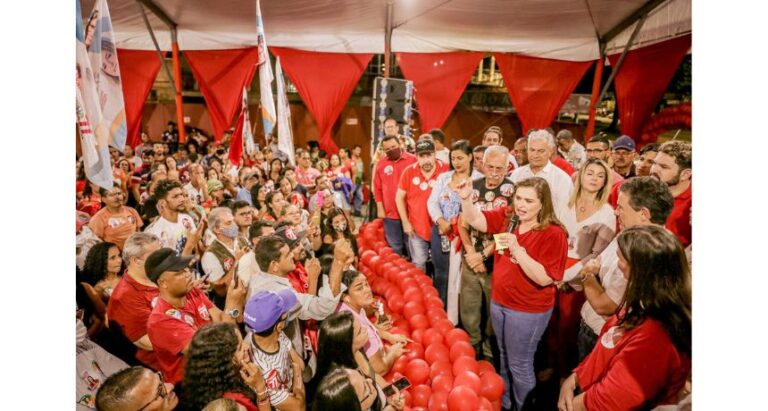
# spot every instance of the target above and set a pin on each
(388, 40)
(615, 70)
(593, 102)
(177, 82)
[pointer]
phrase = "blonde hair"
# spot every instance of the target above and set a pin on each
(605, 190)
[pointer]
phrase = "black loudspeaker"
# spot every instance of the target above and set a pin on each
(391, 98)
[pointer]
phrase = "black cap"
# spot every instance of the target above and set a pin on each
(425, 146)
(162, 260)
(291, 236)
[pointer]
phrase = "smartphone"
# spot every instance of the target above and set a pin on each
(401, 384)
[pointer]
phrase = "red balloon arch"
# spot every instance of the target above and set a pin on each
(440, 363)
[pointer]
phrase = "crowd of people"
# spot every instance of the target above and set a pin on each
(207, 285)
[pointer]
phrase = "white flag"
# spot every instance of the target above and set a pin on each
(265, 76)
(103, 55)
(93, 134)
(284, 131)
(250, 145)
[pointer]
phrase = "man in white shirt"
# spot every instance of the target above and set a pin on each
(572, 151)
(441, 151)
(219, 258)
(174, 228)
(541, 145)
(642, 201)
(493, 136)
(196, 188)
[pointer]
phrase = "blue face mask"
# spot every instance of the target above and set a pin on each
(230, 232)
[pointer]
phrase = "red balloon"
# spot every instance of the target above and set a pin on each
(436, 352)
(443, 326)
(461, 349)
(411, 308)
(440, 367)
(469, 379)
(417, 334)
(423, 280)
(432, 336)
(421, 394)
(407, 397)
(462, 398)
(442, 383)
(484, 405)
(400, 365)
(438, 401)
(418, 321)
(485, 367)
(396, 303)
(417, 372)
(415, 350)
(402, 324)
(456, 335)
(465, 364)
(412, 294)
(491, 386)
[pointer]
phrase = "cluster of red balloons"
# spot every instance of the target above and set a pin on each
(671, 118)
(440, 362)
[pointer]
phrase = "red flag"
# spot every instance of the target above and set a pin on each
(236, 143)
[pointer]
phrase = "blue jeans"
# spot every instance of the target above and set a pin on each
(393, 231)
(419, 250)
(518, 334)
(357, 198)
(441, 262)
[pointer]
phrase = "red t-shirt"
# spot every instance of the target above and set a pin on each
(637, 369)
(170, 331)
(386, 179)
(679, 220)
(417, 190)
(129, 307)
(509, 284)
(563, 165)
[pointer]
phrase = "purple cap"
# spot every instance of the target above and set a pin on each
(265, 308)
(624, 142)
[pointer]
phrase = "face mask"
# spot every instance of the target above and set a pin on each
(340, 227)
(393, 154)
(230, 232)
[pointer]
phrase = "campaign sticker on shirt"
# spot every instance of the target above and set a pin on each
(114, 222)
(228, 264)
(204, 312)
(611, 337)
(423, 186)
(174, 313)
(475, 195)
(189, 320)
(506, 189)
(388, 170)
(416, 181)
(499, 202)
(131, 220)
(489, 196)
(187, 223)
(431, 183)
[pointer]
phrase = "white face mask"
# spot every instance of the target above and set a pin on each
(81, 332)
(340, 227)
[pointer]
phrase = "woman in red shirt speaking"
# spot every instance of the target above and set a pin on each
(642, 358)
(527, 262)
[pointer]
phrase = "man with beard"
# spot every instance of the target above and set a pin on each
(647, 154)
(174, 227)
(489, 193)
(385, 183)
(672, 166)
(624, 157)
(182, 309)
(413, 191)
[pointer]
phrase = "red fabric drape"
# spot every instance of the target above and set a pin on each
(324, 81)
(138, 70)
(642, 79)
(439, 80)
(538, 87)
(221, 75)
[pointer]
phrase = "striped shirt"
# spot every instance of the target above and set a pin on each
(276, 368)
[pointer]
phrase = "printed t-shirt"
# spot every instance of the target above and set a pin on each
(170, 330)
(386, 180)
(679, 220)
(129, 306)
(172, 235)
(275, 368)
(306, 178)
(510, 286)
(417, 190)
(636, 369)
(374, 343)
(116, 227)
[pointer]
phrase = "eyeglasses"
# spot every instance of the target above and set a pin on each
(595, 150)
(161, 392)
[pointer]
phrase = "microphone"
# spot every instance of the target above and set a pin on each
(513, 222)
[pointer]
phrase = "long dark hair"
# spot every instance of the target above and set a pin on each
(659, 283)
(210, 370)
(335, 392)
(464, 147)
(268, 203)
(95, 266)
(334, 344)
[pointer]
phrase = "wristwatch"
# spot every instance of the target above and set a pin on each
(234, 313)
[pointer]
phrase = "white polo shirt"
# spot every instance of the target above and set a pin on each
(560, 183)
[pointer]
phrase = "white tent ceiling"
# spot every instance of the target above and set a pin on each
(559, 29)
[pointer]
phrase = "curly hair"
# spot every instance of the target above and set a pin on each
(210, 370)
(95, 266)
